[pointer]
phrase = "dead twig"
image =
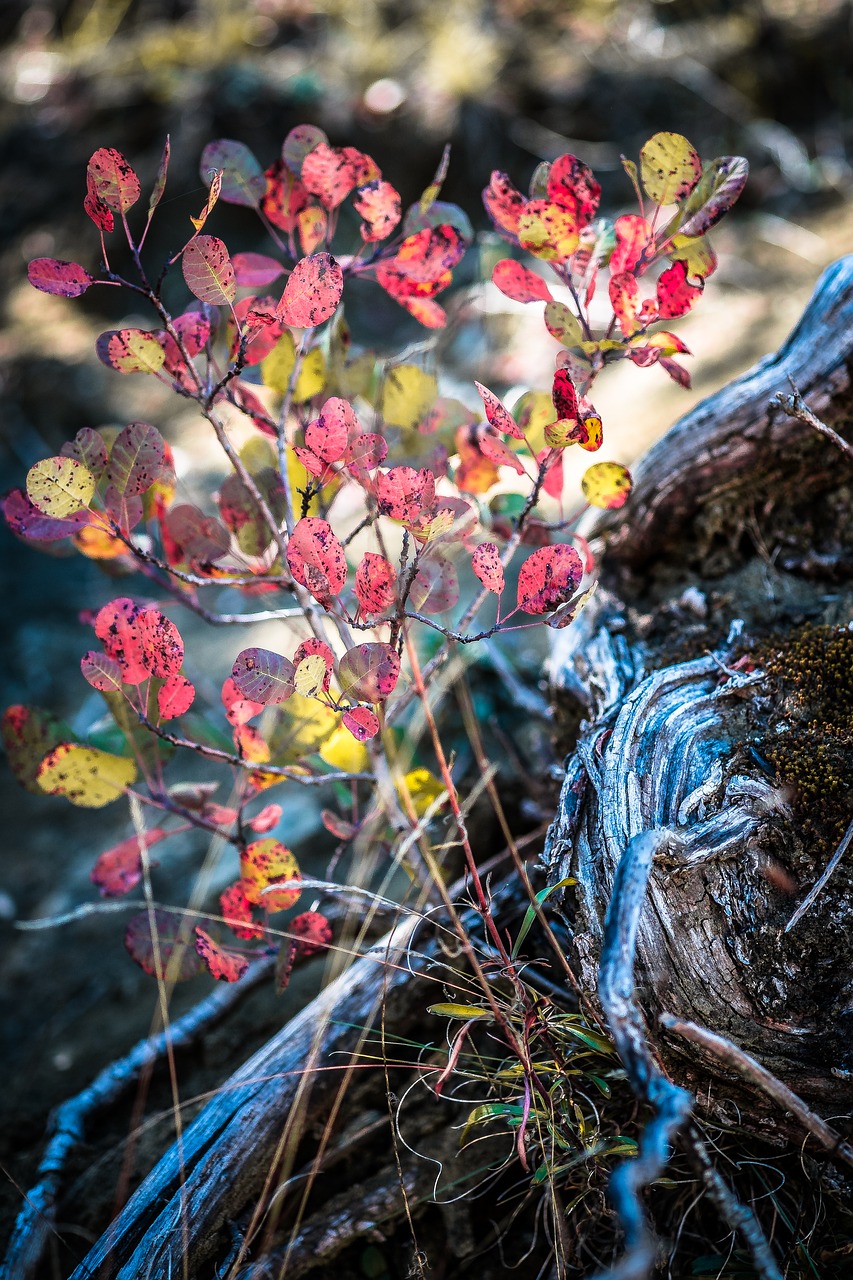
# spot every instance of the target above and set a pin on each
(795, 407)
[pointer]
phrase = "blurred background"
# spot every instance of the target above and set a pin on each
(508, 84)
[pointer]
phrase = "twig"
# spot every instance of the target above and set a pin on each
(747, 1067)
(733, 1211)
(68, 1124)
(816, 888)
(672, 1104)
(795, 407)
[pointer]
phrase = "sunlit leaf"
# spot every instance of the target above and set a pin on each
(572, 184)
(169, 952)
(212, 197)
(243, 179)
(309, 675)
(375, 584)
(548, 231)
(343, 751)
(130, 351)
(312, 292)
(316, 558)
(378, 204)
(54, 275)
(721, 183)
(59, 487)
(548, 577)
(113, 179)
(563, 324)
(315, 648)
(633, 235)
(263, 864)
(208, 270)
(497, 414)
(219, 962)
(404, 493)
(520, 283)
(84, 775)
(486, 563)
(504, 204)
(606, 484)
(313, 225)
(330, 173)
(277, 368)
(461, 1011)
(625, 301)
(675, 295)
(669, 168)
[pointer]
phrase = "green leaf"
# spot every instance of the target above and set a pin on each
(669, 168)
(463, 1011)
(530, 913)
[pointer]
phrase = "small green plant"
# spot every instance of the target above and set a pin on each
(362, 508)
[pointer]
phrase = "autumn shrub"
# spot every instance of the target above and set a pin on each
(363, 508)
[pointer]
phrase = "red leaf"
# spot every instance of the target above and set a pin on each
(316, 648)
(238, 710)
(330, 173)
(379, 205)
(270, 816)
(208, 270)
(175, 697)
(119, 869)
(221, 815)
(53, 275)
(362, 723)
(115, 625)
(496, 451)
(429, 255)
(548, 578)
(313, 931)
(312, 292)
(329, 435)
(172, 954)
(285, 197)
(375, 583)
(337, 826)
(564, 395)
(369, 672)
(504, 205)
(553, 482)
(113, 180)
(316, 558)
(498, 415)
(254, 270)
(486, 563)
(220, 963)
(102, 672)
(243, 179)
(365, 453)
(264, 863)
(237, 910)
(262, 676)
(403, 289)
(572, 184)
(161, 643)
(675, 295)
(404, 493)
(633, 234)
(625, 301)
(100, 213)
(519, 283)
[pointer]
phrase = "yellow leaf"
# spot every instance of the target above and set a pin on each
(98, 543)
(533, 413)
(407, 395)
(342, 751)
(697, 253)
(606, 484)
(423, 788)
(84, 775)
(304, 724)
(309, 676)
(59, 487)
(669, 168)
(277, 367)
(463, 1011)
(548, 231)
(312, 377)
(258, 453)
(264, 863)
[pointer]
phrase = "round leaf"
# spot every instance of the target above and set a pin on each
(606, 484)
(265, 863)
(84, 775)
(369, 672)
(209, 271)
(65, 279)
(263, 676)
(59, 487)
(548, 578)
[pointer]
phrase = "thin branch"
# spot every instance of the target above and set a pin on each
(795, 407)
(817, 888)
(747, 1067)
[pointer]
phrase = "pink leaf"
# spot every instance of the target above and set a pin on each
(361, 722)
(379, 205)
(115, 626)
(119, 869)
(27, 521)
(263, 676)
(404, 493)
(375, 583)
(312, 930)
(237, 910)
(53, 275)
(238, 710)
(572, 184)
(269, 817)
(498, 415)
(208, 270)
(243, 179)
(435, 587)
(675, 295)
(369, 672)
(162, 648)
(486, 563)
(113, 180)
(548, 578)
(519, 283)
(312, 292)
(329, 435)
(316, 558)
(175, 697)
(429, 254)
(366, 452)
(254, 270)
(220, 963)
(131, 351)
(492, 447)
(504, 205)
(633, 234)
